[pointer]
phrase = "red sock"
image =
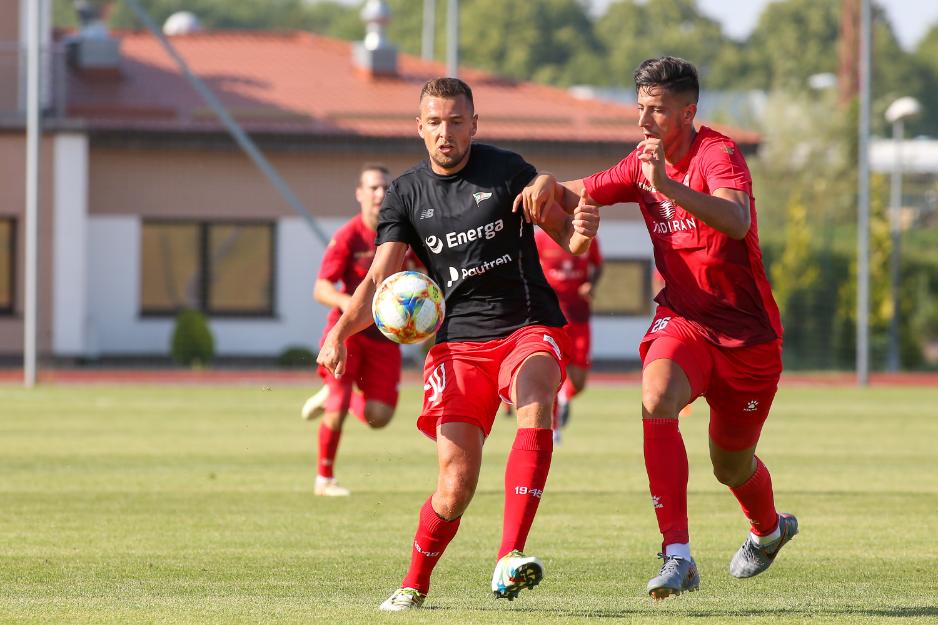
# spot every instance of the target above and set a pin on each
(567, 391)
(756, 499)
(328, 446)
(433, 534)
(666, 464)
(357, 406)
(525, 477)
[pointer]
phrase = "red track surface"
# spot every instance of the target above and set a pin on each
(307, 377)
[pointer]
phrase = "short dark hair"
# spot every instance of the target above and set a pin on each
(447, 88)
(670, 73)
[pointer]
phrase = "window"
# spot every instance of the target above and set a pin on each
(7, 265)
(624, 288)
(222, 269)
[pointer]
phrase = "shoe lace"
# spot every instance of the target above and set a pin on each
(670, 564)
(406, 596)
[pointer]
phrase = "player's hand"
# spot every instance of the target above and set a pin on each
(651, 155)
(332, 355)
(586, 216)
(535, 197)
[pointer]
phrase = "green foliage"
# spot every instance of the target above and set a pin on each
(296, 356)
(192, 342)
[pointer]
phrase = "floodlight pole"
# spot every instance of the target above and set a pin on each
(30, 304)
(452, 39)
(429, 29)
(863, 200)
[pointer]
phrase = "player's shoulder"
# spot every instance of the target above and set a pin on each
(494, 155)
(710, 139)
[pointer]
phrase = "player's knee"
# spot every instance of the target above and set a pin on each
(378, 416)
(453, 494)
(659, 404)
(731, 474)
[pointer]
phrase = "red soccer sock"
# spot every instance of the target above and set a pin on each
(666, 464)
(357, 406)
(757, 500)
(567, 391)
(328, 446)
(433, 535)
(525, 477)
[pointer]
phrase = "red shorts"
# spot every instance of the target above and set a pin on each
(578, 335)
(372, 364)
(466, 382)
(739, 383)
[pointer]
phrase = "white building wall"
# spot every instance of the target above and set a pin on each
(70, 252)
(117, 329)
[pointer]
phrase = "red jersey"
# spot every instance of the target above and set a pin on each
(716, 282)
(347, 260)
(566, 272)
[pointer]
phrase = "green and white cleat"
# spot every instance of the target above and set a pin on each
(677, 575)
(314, 407)
(515, 572)
(753, 558)
(403, 599)
(329, 487)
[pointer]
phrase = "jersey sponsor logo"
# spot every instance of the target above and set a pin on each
(455, 239)
(453, 277)
(666, 209)
(481, 197)
(674, 225)
(426, 213)
(478, 270)
(435, 244)
(553, 345)
(436, 382)
(647, 187)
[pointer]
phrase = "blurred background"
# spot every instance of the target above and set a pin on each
(166, 237)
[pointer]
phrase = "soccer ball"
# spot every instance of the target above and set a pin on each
(408, 307)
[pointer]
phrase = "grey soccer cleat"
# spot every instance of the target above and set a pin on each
(753, 558)
(677, 575)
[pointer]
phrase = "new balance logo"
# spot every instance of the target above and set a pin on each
(436, 383)
(426, 213)
(656, 502)
(481, 197)
(752, 405)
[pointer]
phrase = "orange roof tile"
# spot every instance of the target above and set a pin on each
(306, 84)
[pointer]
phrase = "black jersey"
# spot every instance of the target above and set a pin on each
(481, 254)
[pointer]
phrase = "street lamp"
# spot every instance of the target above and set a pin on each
(896, 114)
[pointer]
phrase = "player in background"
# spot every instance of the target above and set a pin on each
(574, 280)
(502, 336)
(716, 332)
(373, 364)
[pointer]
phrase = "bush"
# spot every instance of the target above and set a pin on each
(192, 343)
(296, 356)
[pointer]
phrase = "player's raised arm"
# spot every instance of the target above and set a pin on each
(389, 258)
(575, 232)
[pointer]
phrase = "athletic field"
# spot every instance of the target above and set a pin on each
(193, 504)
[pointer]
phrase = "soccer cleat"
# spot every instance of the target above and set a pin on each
(328, 487)
(753, 558)
(563, 413)
(403, 599)
(515, 572)
(677, 575)
(315, 405)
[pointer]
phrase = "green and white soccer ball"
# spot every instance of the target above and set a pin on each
(408, 307)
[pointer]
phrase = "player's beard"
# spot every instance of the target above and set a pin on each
(448, 162)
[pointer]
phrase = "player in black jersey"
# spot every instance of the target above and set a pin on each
(502, 337)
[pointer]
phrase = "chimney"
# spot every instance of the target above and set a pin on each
(376, 55)
(93, 49)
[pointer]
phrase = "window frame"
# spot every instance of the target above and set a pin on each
(203, 267)
(10, 309)
(647, 266)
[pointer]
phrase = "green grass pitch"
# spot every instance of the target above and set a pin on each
(188, 504)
